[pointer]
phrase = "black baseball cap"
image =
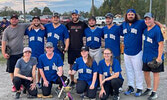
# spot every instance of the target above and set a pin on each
(109, 15)
(92, 17)
(36, 17)
(14, 16)
(84, 48)
(57, 15)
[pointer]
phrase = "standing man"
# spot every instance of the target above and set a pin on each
(93, 36)
(76, 32)
(57, 32)
(36, 40)
(132, 31)
(153, 49)
(13, 39)
(112, 34)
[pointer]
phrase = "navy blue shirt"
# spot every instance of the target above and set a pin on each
(56, 34)
(50, 66)
(36, 41)
(133, 36)
(105, 70)
(85, 73)
(151, 40)
(93, 37)
(112, 39)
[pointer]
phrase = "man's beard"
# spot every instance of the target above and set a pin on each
(36, 25)
(131, 21)
(92, 25)
(75, 20)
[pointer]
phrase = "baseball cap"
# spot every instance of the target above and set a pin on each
(75, 11)
(49, 44)
(36, 17)
(92, 17)
(109, 15)
(56, 15)
(149, 15)
(27, 49)
(84, 48)
(14, 16)
(131, 10)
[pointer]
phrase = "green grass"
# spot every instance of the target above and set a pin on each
(2, 59)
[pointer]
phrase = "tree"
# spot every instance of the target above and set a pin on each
(8, 11)
(35, 12)
(46, 11)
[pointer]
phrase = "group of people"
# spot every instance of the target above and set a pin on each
(95, 68)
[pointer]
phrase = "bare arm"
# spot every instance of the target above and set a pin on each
(17, 74)
(158, 23)
(60, 71)
(34, 74)
(94, 78)
(101, 79)
(113, 76)
(160, 51)
(66, 44)
(5, 55)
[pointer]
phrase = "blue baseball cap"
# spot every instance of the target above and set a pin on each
(131, 10)
(149, 15)
(109, 15)
(75, 12)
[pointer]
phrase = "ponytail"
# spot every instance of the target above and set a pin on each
(89, 61)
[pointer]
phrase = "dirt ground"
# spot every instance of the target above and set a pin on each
(6, 85)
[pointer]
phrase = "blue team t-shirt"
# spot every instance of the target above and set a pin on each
(84, 72)
(93, 37)
(56, 34)
(133, 36)
(50, 66)
(112, 39)
(105, 70)
(151, 40)
(36, 41)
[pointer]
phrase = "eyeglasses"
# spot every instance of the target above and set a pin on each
(106, 53)
(27, 52)
(49, 47)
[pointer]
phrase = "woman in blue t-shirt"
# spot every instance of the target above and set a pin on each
(25, 74)
(87, 71)
(110, 68)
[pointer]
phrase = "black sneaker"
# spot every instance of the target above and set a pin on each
(17, 95)
(147, 92)
(138, 92)
(153, 96)
(72, 84)
(116, 97)
(129, 91)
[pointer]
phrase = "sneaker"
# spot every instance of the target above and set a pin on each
(116, 97)
(57, 90)
(39, 86)
(30, 96)
(138, 92)
(129, 91)
(17, 95)
(153, 96)
(72, 84)
(120, 89)
(13, 89)
(147, 92)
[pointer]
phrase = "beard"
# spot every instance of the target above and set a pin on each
(75, 20)
(131, 21)
(91, 25)
(36, 25)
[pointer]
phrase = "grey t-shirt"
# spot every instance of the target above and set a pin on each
(26, 68)
(14, 38)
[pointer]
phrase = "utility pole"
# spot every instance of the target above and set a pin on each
(24, 11)
(166, 13)
(150, 6)
(93, 9)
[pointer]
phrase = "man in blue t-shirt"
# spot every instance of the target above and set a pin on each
(36, 40)
(57, 32)
(112, 34)
(153, 48)
(132, 31)
(93, 36)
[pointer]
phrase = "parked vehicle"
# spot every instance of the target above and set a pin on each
(65, 19)
(100, 20)
(46, 19)
(118, 21)
(28, 18)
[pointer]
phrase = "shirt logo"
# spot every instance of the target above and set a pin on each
(105, 73)
(96, 39)
(133, 30)
(105, 36)
(32, 38)
(149, 40)
(112, 36)
(56, 36)
(49, 34)
(40, 39)
(125, 31)
(80, 71)
(88, 39)
(54, 67)
(46, 68)
(89, 71)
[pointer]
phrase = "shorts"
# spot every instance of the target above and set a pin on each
(72, 55)
(159, 69)
(11, 62)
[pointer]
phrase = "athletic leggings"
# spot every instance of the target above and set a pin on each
(112, 87)
(26, 83)
(83, 87)
(47, 90)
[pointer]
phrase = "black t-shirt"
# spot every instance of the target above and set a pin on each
(76, 33)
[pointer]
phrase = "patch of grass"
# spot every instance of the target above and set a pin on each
(2, 59)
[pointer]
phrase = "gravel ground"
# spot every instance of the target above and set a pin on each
(6, 94)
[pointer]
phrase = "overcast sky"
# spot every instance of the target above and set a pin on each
(59, 6)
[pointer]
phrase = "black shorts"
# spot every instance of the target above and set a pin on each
(72, 55)
(11, 62)
(159, 69)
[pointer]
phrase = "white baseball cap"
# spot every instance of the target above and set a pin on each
(27, 49)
